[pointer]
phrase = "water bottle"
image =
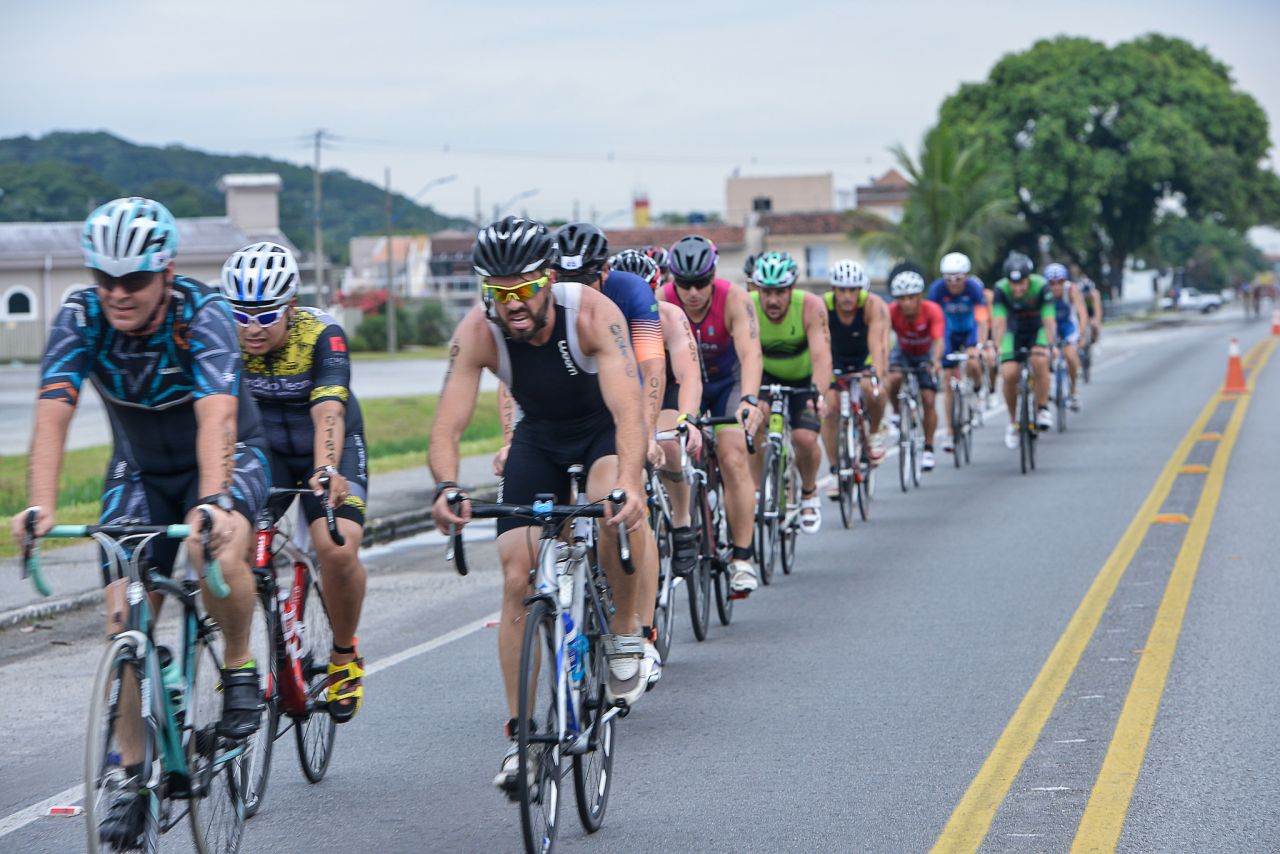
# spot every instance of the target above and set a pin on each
(171, 678)
(572, 643)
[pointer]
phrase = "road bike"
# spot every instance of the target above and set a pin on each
(158, 708)
(661, 521)
(910, 430)
(1061, 386)
(855, 475)
(778, 508)
(1086, 358)
(563, 668)
(963, 410)
(291, 638)
(711, 576)
(1026, 407)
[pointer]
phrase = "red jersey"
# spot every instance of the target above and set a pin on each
(916, 336)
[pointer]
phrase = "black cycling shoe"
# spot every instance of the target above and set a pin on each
(241, 703)
(125, 820)
(684, 551)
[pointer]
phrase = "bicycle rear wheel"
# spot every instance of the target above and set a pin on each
(1086, 362)
(1024, 429)
(314, 732)
(789, 530)
(720, 565)
(957, 424)
(216, 764)
(699, 582)
(767, 512)
(663, 612)
(264, 645)
(593, 770)
(1060, 394)
(846, 453)
(904, 450)
(104, 774)
(538, 775)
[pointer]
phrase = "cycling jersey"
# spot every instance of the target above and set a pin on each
(849, 348)
(1026, 315)
(639, 306)
(1087, 288)
(719, 358)
(785, 344)
(962, 311)
(916, 335)
(310, 367)
(150, 383)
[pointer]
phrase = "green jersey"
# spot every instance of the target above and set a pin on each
(1028, 312)
(785, 344)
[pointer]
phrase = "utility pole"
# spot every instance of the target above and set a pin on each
(391, 288)
(322, 291)
(479, 210)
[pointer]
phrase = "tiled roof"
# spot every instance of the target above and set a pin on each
(818, 222)
(196, 236)
(723, 236)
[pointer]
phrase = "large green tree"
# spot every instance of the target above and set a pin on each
(959, 203)
(1099, 141)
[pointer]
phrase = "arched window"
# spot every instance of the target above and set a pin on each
(18, 303)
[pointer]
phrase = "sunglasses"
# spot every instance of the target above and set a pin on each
(264, 319)
(955, 278)
(523, 292)
(697, 284)
(132, 283)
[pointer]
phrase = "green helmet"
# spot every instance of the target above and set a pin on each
(775, 270)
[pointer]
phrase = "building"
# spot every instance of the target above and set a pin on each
(730, 241)
(777, 194)
(885, 196)
(41, 262)
(423, 266)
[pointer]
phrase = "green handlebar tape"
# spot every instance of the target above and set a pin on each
(68, 531)
(37, 578)
(178, 532)
(217, 586)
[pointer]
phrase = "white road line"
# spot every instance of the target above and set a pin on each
(72, 795)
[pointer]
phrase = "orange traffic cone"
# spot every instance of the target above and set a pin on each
(1275, 321)
(1235, 383)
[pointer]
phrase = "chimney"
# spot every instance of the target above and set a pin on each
(253, 201)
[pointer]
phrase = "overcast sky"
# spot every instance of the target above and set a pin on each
(584, 102)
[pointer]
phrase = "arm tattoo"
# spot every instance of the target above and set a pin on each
(624, 348)
(330, 449)
(751, 324)
(454, 349)
(693, 343)
(228, 460)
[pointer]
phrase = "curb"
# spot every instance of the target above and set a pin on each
(9, 619)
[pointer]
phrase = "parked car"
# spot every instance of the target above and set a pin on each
(1190, 299)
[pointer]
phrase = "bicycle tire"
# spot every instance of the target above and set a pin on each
(265, 646)
(789, 531)
(101, 778)
(904, 450)
(1060, 396)
(663, 616)
(766, 527)
(866, 483)
(539, 802)
(722, 576)
(957, 428)
(699, 582)
(1024, 428)
(916, 453)
(846, 445)
(314, 732)
(1086, 362)
(216, 804)
(593, 770)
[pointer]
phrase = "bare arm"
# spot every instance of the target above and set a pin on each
(653, 373)
(48, 441)
(216, 442)
(682, 349)
(819, 336)
(603, 333)
(877, 337)
(741, 317)
(329, 419)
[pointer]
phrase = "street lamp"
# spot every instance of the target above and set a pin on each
(498, 209)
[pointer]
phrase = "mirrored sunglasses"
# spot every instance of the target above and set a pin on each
(263, 318)
(522, 292)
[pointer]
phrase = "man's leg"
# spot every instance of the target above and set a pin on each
(873, 403)
(1040, 367)
(672, 475)
(1073, 364)
(928, 399)
(1009, 374)
(344, 585)
(740, 503)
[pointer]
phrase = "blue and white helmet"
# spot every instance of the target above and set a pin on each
(1055, 273)
(261, 274)
(130, 235)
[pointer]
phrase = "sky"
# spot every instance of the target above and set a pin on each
(576, 105)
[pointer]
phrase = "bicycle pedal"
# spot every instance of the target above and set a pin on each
(740, 594)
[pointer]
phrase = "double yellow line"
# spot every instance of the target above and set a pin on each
(1108, 804)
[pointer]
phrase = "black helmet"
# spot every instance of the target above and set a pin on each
(693, 258)
(583, 248)
(1017, 267)
(749, 266)
(512, 247)
(635, 261)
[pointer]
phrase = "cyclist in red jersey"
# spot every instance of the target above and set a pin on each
(919, 325)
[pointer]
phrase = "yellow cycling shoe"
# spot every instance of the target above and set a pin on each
(346, 689)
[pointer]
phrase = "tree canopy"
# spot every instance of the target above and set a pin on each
(1100, 142)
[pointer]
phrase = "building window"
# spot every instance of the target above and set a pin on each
(815, 262)
(19, 303)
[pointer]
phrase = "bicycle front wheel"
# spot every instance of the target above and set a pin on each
(1025, 427)
(537, 733)
(265, 648)
(699, 583)
(105, 775)
(1060, 396)
(314, 732)
(663, 612)
(768, 512)
(846, 453)
(722, 551)
(216, 763)
(593, 770)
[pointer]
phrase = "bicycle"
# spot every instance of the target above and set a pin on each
(293, 641)
(565, 627)
(1086, 358)
(778, 509)
(1027, 431)
(175, 701)
(855, 476)
(910, 430)
(660, 520)
(711, 525)
(1061, 386)
(962, 408)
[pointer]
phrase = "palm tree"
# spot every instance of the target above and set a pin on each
(958, 203)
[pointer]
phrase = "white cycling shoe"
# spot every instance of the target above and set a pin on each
(1074, 403)
(628, 668)
(811, 523)
(1044, 419)
(743, 576)
(1011, 436)
(927, 462)
(654, 658)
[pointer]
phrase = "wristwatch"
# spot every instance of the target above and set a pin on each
(750, 400)
(220, 500)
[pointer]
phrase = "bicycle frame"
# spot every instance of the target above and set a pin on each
(779, 436)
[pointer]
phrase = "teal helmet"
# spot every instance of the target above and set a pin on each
(775, 270)
(130, 235)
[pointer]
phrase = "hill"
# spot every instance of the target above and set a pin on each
(61, 175)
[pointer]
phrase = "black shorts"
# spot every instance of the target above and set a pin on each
(142, 498)
(921, 366)
(294, 472)
(801, 403)
(721, 396)
(539, 459)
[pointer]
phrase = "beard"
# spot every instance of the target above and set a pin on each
(537, 322)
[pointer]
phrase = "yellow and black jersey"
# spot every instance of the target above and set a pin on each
(311, 366)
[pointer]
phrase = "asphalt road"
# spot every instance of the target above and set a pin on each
(850, 706)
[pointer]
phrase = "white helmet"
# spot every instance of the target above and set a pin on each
(261, 274)
(906, 283)
(130, 235)
(955, 264)
(849, 274)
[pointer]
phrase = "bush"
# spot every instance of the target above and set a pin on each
(431, 324)
(372, 334)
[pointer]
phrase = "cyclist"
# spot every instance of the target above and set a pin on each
(749, 268)
(1070, 314)
(964, 307)
(680, 403)
(796, 346)
(662, 258)
(1092, 302)
(563, 352)
(724, 323)
(1023, 316)
(161, 351)
(856, 319)
(297, 368)
(919, 325)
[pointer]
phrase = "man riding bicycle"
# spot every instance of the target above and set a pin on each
(856, 320)
(1070, 314)
(964, 308)
(1023, 318)
(563, 351)
(724, 323)
(796, 346)
(1092, 302)
(161, 351)
(919, 326)
(297, 367)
